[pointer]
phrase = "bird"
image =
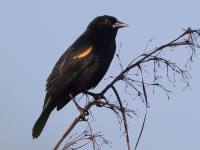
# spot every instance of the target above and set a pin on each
(81, 67)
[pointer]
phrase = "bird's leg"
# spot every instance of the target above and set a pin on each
(80, 109)
(96, 96)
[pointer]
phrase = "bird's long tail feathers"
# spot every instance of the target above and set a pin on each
(40, 123)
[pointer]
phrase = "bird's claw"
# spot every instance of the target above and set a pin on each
(96, 95)
(83, 113)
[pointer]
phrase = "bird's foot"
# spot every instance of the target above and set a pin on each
(83, 113)
(96, 95)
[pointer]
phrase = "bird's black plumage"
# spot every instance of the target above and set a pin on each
(81, 67)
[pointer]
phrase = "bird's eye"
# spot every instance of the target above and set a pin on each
(108, 22)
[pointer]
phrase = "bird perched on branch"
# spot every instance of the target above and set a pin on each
(81, 67)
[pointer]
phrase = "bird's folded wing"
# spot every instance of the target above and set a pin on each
(66, 71)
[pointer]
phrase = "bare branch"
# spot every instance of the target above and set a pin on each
(189, 39)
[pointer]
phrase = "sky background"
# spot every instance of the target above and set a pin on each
(34, 34)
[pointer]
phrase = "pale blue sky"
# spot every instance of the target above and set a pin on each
(33, 35)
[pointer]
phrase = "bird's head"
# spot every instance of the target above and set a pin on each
(105, 25)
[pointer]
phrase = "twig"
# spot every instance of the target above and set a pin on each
(123, 116)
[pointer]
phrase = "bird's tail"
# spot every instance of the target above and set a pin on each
(40, 123)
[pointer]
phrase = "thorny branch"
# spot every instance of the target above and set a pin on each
(189, 39)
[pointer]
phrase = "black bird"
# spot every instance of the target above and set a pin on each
(81, 67)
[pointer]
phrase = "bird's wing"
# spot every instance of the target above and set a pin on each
(67, 69)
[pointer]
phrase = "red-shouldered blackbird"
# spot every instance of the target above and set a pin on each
(81, 67)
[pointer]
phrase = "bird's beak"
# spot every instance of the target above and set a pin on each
(119, 24)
